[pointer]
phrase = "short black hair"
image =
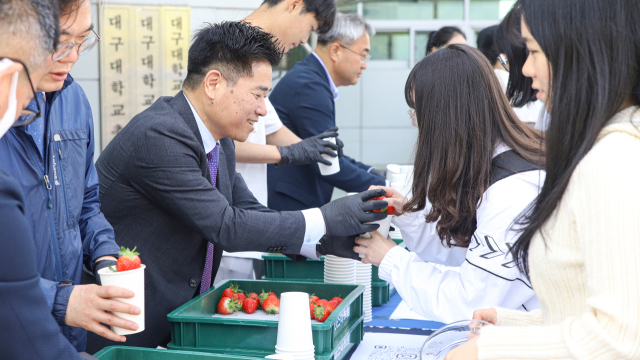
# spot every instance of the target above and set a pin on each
(324, 10)
(230, 47)
(438, 38)
(487, 44)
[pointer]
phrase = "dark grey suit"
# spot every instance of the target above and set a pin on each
(156, 191)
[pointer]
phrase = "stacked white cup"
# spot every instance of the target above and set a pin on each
(295, 337)
(363, 277)
(339, 270)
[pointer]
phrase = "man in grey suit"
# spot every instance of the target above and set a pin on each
(168, 183)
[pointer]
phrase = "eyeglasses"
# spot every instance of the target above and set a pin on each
(365, 58)
(413, 117)
(84, 47)
(27, 116)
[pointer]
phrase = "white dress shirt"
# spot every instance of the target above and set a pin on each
(332, 85)
(314, 222)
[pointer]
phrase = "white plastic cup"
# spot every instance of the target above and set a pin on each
(398, 178)
(335, 162)
(392, 169)
(131, 280)
(294, 324)
(385, 225)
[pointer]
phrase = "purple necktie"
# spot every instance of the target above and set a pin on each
(212, 158)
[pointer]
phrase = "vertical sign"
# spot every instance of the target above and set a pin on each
(143, 55)
(177, 37)
(115, 69)
(148, 57)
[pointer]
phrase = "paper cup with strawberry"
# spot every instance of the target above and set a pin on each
(385, 224)
(128, 274)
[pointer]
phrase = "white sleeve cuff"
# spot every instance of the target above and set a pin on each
(309, 250)
(387, 183)
(314, 223)
(394, 256)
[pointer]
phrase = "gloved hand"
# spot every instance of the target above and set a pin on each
(341, 246)
(101, 265)
(381, 173)
(310, 150)
(345, 216)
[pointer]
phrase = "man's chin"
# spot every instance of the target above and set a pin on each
(49, 85)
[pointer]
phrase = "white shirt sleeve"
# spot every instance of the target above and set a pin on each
(272, 121)
(314, 231)
(487, 277)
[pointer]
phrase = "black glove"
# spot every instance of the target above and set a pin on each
(101, 265)
(381, 173)
(345, 216)
(341, 246)
(310, 150)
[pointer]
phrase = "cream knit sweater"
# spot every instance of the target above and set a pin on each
(587, 277)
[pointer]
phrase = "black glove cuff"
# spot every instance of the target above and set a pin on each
(284, 156)
(101, 265)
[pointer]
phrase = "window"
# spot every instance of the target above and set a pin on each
(489, 9)
(414, 10)
(390, 46)
(420, 46)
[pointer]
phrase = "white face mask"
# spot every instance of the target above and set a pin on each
(9, 116)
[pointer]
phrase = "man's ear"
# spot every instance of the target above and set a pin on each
(334, 51)
(212, 82)
(294, 5)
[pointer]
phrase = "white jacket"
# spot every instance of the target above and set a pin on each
(487, 278)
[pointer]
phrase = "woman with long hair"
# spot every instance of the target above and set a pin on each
(477, 167)
(445, 36)
(580, 244)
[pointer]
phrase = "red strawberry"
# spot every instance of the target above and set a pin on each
(389, 210)
(322, 313)
(227, 306)
(263, 296)
(321, 302)
(313, 298)
(128, 259)
(339, 300)
(231, 291)
(253, 295)
(331, 305)
(241, 297)
(250, 305)
(312, 308)
(271, 305)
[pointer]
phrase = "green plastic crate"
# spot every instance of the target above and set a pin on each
(280, 267)
(135, 353)
(193, 327)
(379, 293)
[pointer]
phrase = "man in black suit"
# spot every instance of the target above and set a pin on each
(168, 183)
(304, 100)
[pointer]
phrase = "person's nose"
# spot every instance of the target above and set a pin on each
(364, 65)
(261, 110)
(71, 57)
(528, 68)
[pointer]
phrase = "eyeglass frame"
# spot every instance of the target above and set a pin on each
(365, 58)
(97, 37)
(39, 112)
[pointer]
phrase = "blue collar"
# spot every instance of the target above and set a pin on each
(332, 85)
(207, 139)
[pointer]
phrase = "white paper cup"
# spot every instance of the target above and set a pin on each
(335, 162)
(392, 169)
(277, 356)
(131, 280)
(294, 324)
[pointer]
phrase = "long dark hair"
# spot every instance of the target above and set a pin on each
(462, 116)
(439, 38)
(594, 54)
(519, 90)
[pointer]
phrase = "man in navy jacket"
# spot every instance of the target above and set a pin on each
(304, 100)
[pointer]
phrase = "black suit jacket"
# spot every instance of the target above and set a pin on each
(304, 102)
(155, 188)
